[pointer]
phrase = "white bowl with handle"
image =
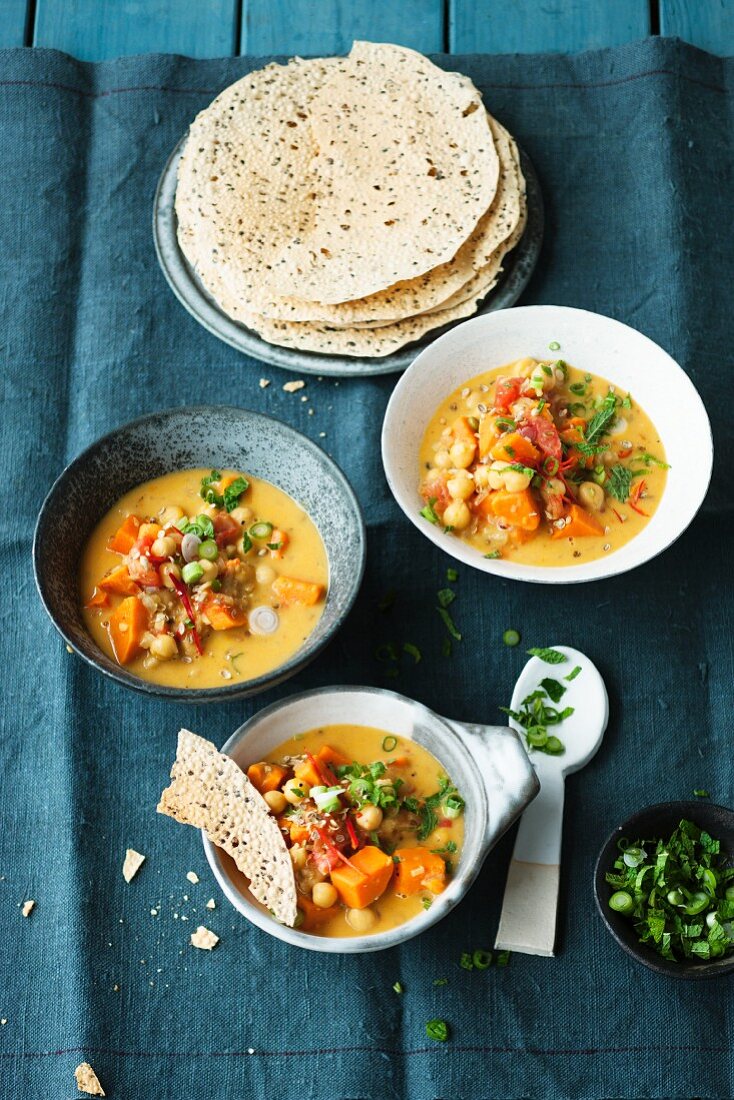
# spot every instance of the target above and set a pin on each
(487, 764)
(590, 342)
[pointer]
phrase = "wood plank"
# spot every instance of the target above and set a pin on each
(314, 27)
(94, 30)
(552, 26)
(706, 23)
(13, 15)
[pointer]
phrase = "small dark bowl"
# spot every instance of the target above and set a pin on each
(658, 822)
(179, 439)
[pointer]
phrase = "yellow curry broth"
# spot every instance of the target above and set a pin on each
(421, 773)
(632, 436)
(232, 655)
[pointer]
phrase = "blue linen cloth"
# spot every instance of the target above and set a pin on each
(634, 150)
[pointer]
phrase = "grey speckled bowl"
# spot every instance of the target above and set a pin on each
(488, 765)
(213, 436)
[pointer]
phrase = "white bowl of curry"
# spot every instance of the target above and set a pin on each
(547, 444)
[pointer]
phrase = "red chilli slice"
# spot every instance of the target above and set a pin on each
(331, 847)
(184, 598)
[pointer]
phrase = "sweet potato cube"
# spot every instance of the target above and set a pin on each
(366, 880)
(419, 869)
(581, 523)
(267, 777)
(119, 581)
(290, 590)
(128, 622)
(125, 536)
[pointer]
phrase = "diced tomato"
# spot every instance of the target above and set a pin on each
(226, 529)
(144, 573)
(435, 489)
(506, 392)
(325, 857)
(544, 434)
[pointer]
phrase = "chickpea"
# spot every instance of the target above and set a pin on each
(168, 570)
(210, 570)
(591, 496)
(276, 800)
(324, 895)
(462, 454)
(294, 791)
(369, 818)
(361, 920)
(163, 547)
(542, 377)
(457, 515)
(481, 477)
(516, 480)
(265, 574)
(163, 647)
(169, 516)
(461, 485)
(298, 857)
(442, 459)
(618, 426)
(554, 486)
(242, 514)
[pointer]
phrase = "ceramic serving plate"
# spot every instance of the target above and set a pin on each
(180, 439)
(487, 764)
(192, 295)
(590, 342)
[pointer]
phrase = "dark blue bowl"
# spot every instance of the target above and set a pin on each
(213, 436)
(660, 821)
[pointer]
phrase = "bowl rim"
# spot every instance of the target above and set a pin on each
(378, 941)
(534, 574)
(228, 691)
(685, 969)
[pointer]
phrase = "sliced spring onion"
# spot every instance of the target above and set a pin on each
(261, 530)
(389, 743)
(633, 857)
(622, 902)
(192, 572)
(511, 637)
(482, 959)
(209, 550)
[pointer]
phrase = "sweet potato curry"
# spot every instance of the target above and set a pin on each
(540, 463)
(200, 576)
(373, 824)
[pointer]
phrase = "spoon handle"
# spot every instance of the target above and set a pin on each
(530, 904)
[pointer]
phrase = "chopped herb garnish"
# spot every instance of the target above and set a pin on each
(553, 689)
(233, 493)
(601, 419)
(550, 656)
(449, 623)
(426, 902)
(651, 460)
(554, 346)
(452, 575)
(619, 482)
(702, 794)
(573, 674)
(446, 596)
(412, 651)
(626, 402)
(511, 638)
(466, 962)
(201, 526)
(503, 958)
(579, 388)
(209, 494)
(505, 422)
(429, 512)
(398, 987)
(440, 981)
(437, 1030)
(677, 892)
(493, 555)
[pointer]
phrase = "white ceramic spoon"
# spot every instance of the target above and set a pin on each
(528, 919)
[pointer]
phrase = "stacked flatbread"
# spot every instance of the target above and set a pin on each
(348, 206)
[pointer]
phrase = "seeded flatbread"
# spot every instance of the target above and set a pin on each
(429, 292)
(255, 188)
(210, 792)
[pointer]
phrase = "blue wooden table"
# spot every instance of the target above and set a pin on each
(97, 29)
